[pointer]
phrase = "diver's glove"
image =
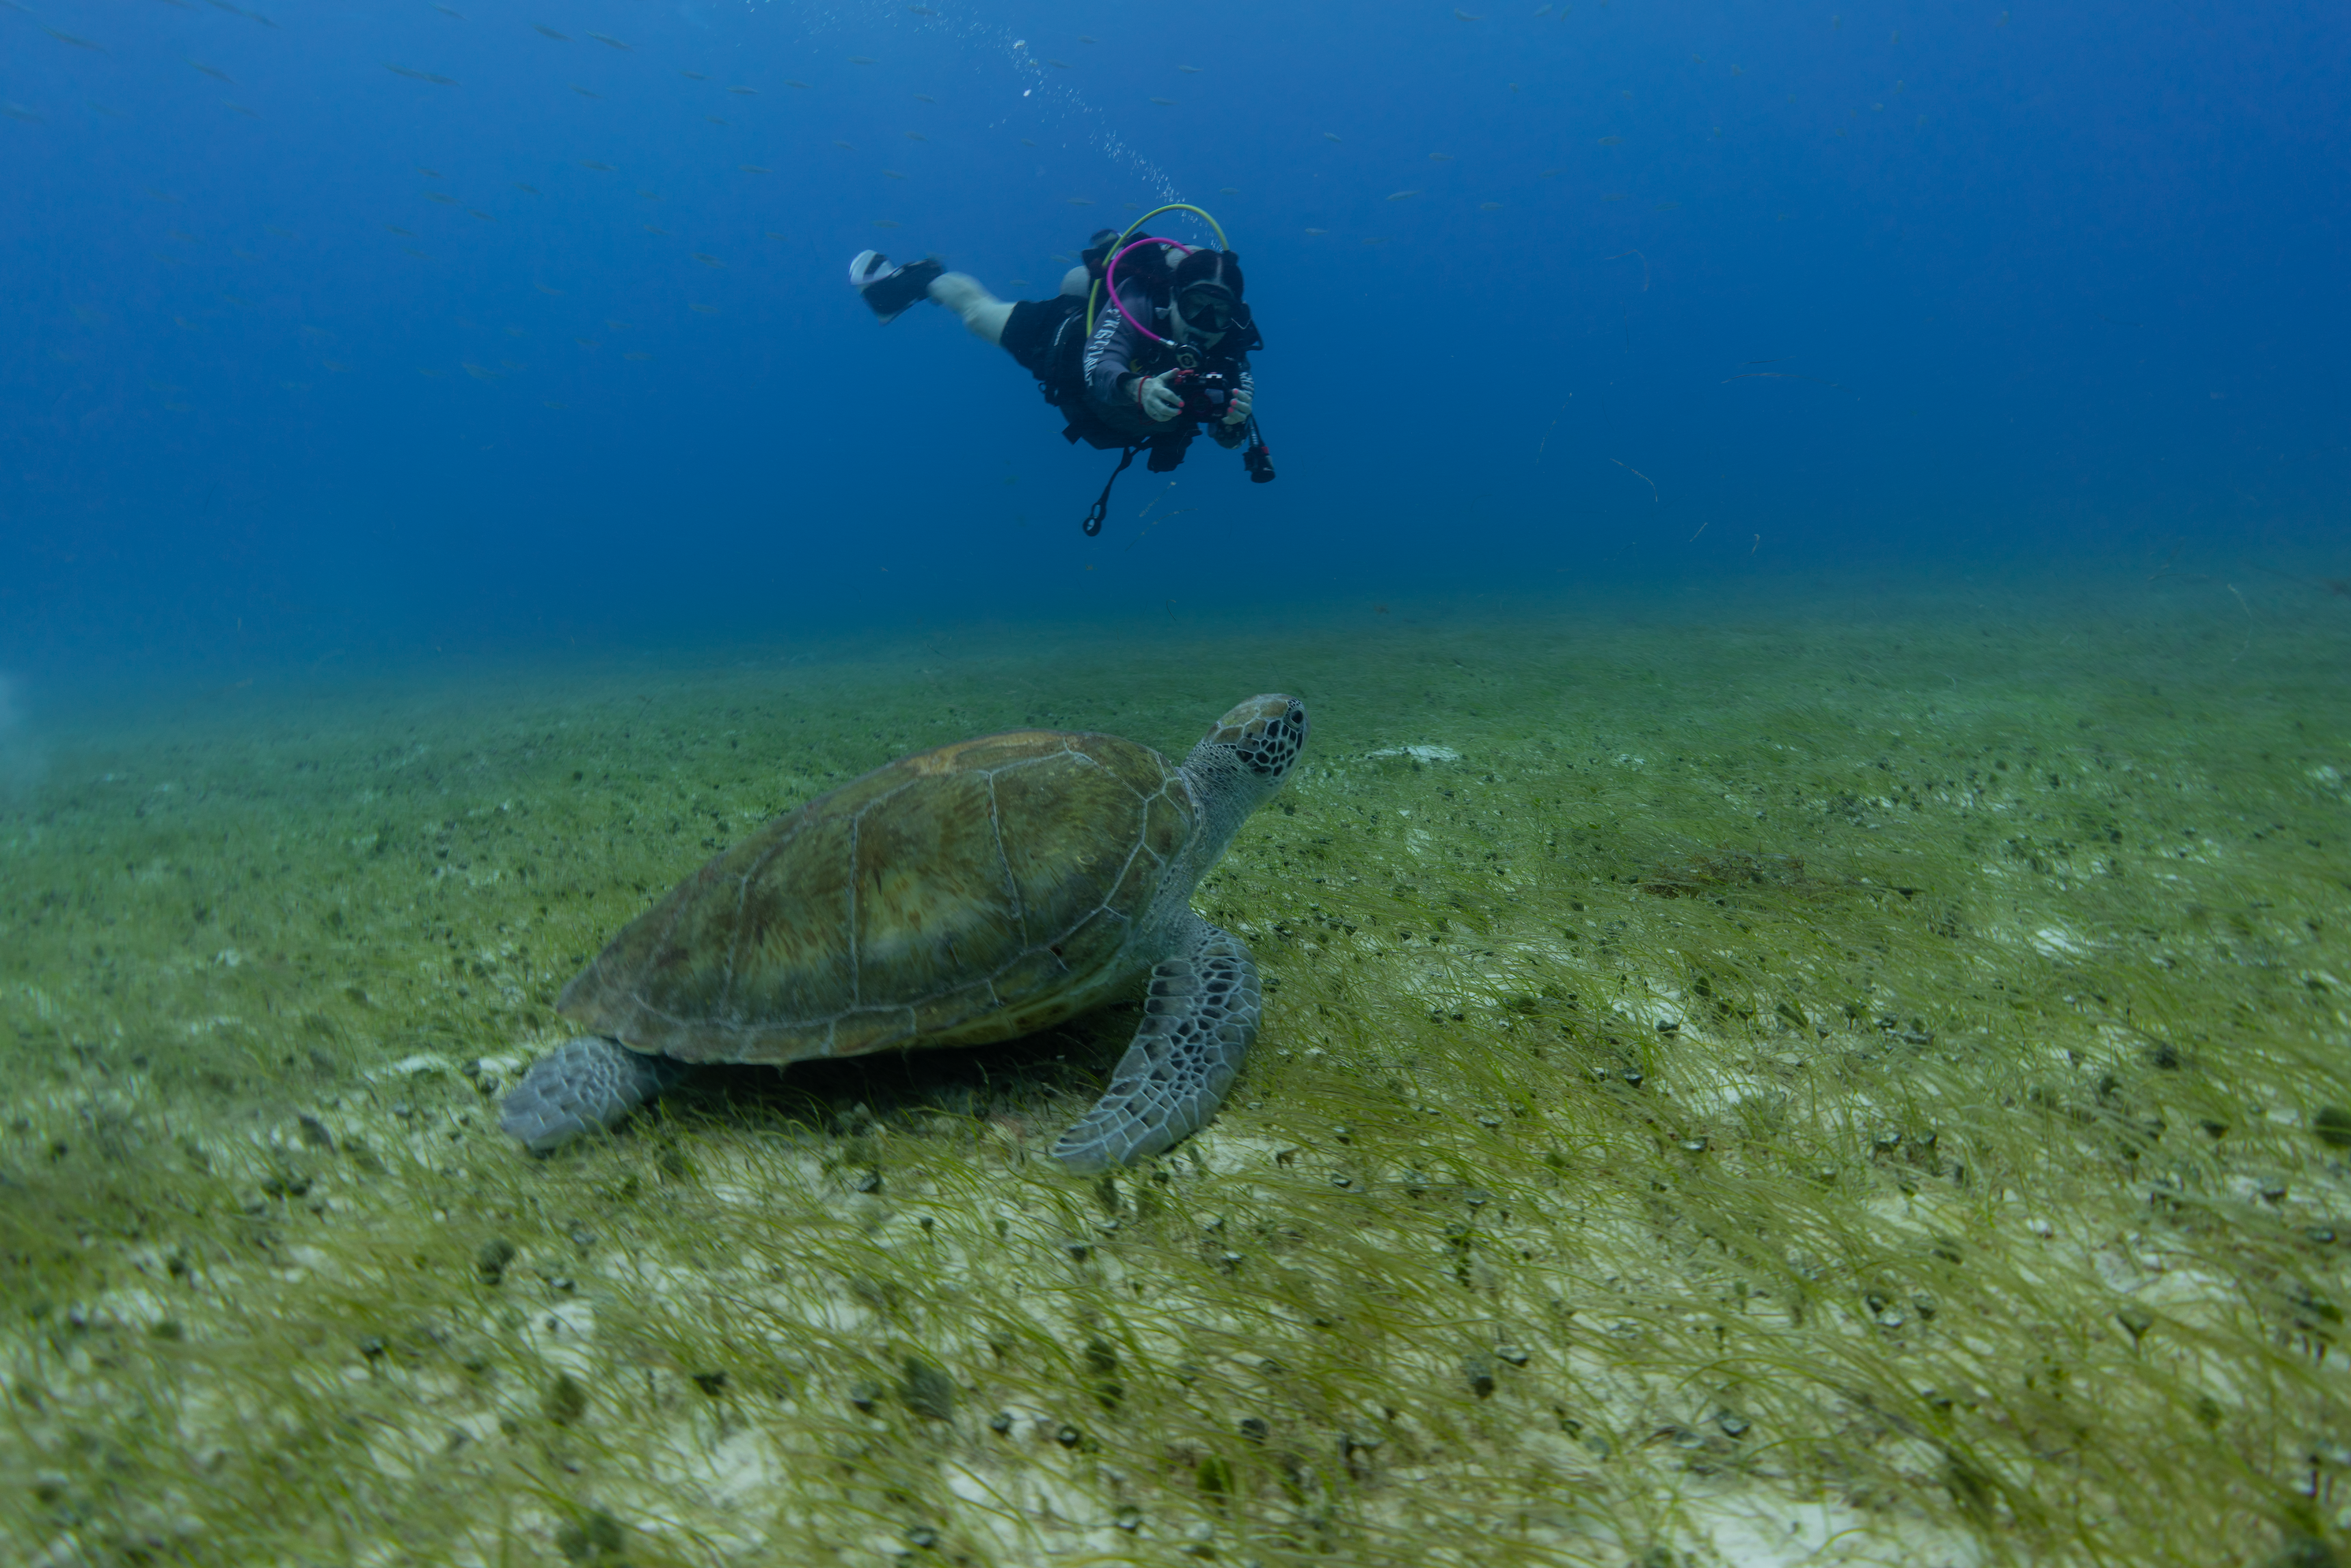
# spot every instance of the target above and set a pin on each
(1237, 407)
(1152, 396)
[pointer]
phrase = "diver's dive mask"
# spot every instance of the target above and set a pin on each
(1209, 307)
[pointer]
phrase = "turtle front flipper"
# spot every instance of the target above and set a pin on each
(580, 1086)
(1202, 1015)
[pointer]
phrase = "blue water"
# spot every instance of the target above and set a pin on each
(1693, 291)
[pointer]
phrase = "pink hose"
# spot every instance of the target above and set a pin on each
(1110, 280)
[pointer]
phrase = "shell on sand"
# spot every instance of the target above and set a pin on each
(978, 892)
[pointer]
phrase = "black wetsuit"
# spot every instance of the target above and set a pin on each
(1091, 381)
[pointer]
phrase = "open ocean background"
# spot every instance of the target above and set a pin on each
(315, 342)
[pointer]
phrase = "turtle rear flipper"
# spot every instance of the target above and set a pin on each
(1203, 1013)
(580, 1086)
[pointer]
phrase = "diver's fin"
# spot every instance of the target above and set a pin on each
(891, 291)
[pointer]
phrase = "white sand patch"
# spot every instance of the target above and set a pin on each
(2056, 941)
(1418, 753)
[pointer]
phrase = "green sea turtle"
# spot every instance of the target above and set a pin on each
(974, 893)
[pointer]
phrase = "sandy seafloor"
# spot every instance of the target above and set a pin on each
(1821, 1075)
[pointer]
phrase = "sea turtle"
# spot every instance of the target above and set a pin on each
(974, 893)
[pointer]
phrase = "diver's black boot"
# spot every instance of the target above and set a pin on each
(891, 291)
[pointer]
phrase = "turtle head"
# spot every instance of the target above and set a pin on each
(1248, 753)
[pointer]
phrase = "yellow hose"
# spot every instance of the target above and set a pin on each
(1093, 293)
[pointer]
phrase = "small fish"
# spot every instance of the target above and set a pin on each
(1440, 157)
(1063, 63)
(1084, 39)
(442, 196)
(419, 75)
(430, 173)
(543, 29)
(1490, 206)
(1229, 189)
(599, 168)
(509, 364)
(1190, 70)
(232, 300)
(1612, 142)
(184, 239)
(1547, 174)
(477, 212)
(76, 43)
(1665, 206)
(843, 145)
(694, 76)
(1465, 16)
(652, 229)
(244, 255)
(191, 326)
(395, 228)
(213, 71)
(167, 260)
(1082, 200)
(862, 60)
(632, 355)
(583, 92)
(447, 11)
(617, 326)
(323, 335)
(789, 81)
(608, 38)
(19, 111)
(916, 136)
(543, 289)
(180, 407)
(886, 222)
(1329, 136)
(588, 342)
(232, 103)
(713, 120)
(1380, 240)
(922, 10)
(925, 98)
(1318, 230)
(707, 260)
(705, 310)
(755, 168)
(418, 255)
(1165, 102)
(1026, 142)
(520, 186)
(481, 372)
(420, 371)
(335, 365)
(555, 405)
(748, 91)
(1401, 195)
(893, 173)
(649, 196)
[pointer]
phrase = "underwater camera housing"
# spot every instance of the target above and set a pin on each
(1205, 392)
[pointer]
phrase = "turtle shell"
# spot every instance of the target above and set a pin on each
(974, 893)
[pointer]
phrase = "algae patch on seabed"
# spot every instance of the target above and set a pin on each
(1774, 1091)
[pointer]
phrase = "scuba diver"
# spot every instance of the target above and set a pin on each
(1146, 343)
